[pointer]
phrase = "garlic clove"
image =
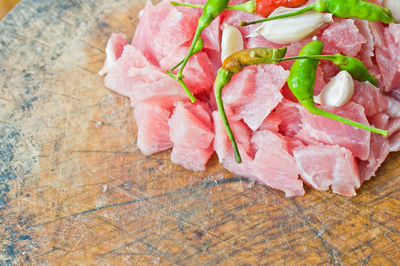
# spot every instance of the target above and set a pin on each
(232, 41)
(394, 6)
(292, 29)
(338, 91)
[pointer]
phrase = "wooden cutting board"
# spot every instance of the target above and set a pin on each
(74, 189)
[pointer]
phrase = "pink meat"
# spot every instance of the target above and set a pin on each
(335, 167)
(329, 69)
(393, 107)
(388, 58)
(187, 130)
(344, 37)
(291, 123)
(328, 131)
(198, 72)
(370, 97)
(212, 35)
(271, 122)
(380, 149)
(222, 145)
(377, 30)
(202, 111)
(394, 142)
(115, 46)
(133, 76)
(300, 123)
(380, 120)
(259, 41)
(176, 30)
(191, 158)
(241, 87)
(152, 117)
(233, 18)
(393, 126)
(191, 138)
(274, 166)
(151, 19)
(320, 81)
(118, 78)
(269, 82)
(367, 52)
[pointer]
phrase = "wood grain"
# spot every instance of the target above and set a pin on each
(74, 189)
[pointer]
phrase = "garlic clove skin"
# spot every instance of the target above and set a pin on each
(232, 41)
(292, 29)
(338, 91)
(394, 6)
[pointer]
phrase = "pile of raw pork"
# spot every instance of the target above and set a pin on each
(282, 144)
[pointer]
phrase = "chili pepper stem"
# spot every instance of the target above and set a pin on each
(317, 57)
(309, 105)
(179, 76)
(180, 80)
(301, 11)
(249, 6)
(222, 79)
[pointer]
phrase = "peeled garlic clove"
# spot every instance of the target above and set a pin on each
(338, 91)
(394, 6)
(232, 41)
(292, 29)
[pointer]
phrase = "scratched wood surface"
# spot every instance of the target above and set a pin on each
(74, 189)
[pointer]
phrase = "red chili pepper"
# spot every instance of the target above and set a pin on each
(266, 7)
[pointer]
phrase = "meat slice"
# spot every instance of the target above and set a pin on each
(394, 142)
(344, 37)
(388, 58)
(115, 46)
(323, 166)
(291, 123)
(241, 87)
(187, 130)
(224, 149)
(370, 97)
(152, 117)
(176, 30)
(267, 95)
(151, 19)
(380, 120)
(299, 123)
(242, 134)
(198, 73)
(271, 123)
(274, 166)
(393, 107)
(133, 76)
(233, 17)
(380, 149)
(212, 35)
(191, 138)
(332, 132)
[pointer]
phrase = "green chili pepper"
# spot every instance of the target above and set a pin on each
(234, 64)
(222, 79)
(301, 82)
(361, 9)
(255, 56)
(211, 10)
(249, 6)
(351, 64)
